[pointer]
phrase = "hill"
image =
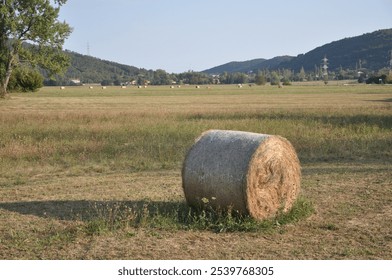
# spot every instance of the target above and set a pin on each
(250, 65)
(370, 51)
(89, 69)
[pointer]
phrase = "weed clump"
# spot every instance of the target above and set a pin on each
(109, 217)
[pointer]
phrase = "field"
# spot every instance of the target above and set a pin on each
(96, 174)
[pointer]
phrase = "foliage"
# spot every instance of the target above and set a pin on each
(26, 80)
(380, 79)
(302, 74)
(275, 79)
(161, 77)
(194, 78)
(33, 21)
(233, 78)
(260, 79)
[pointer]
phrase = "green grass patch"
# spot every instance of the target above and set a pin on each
(108, 217)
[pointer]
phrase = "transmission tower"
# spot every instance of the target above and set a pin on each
(325, 69)
(325, 66)
(88, 48)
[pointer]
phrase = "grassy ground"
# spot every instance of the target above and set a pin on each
(95, 174)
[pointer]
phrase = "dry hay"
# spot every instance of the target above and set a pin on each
(254, 174)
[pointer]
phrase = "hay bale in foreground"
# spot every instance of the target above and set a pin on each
(255, 174)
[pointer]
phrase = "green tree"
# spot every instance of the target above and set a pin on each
(275, 78)
(161, 77)
(302, 74)
(388, 79)
(36, 22)
(287, 76)
(25, 79)
(240, 78)
(226, 78)
(260, 79)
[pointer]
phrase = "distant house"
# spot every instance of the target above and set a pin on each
(215, 79)
(76, 82)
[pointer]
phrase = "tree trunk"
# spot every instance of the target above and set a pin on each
(3, 90)
(10, 65)
(7, 77)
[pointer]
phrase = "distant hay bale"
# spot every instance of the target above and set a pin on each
(62, 88)
(103, 87)
(123, 87)
(254, 174)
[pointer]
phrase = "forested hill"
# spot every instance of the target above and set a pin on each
(370, 51)
(250, 65)
(85, 69)
(89, 69)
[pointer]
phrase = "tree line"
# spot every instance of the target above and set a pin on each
(137, 76)
(30, 80)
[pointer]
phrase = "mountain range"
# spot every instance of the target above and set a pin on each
(371, 51)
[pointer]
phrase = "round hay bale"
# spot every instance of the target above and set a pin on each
(254, 174)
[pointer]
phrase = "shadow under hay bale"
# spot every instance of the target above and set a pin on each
(253, 174)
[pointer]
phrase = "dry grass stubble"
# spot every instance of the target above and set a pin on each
(66, 157)
(352, 220)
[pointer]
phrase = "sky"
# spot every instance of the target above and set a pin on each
(183, 35)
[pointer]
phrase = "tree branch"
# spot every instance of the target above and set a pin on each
(27, 30)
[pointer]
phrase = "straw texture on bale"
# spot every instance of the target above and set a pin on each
(254, 174)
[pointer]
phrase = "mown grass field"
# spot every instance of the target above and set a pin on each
(96, 174)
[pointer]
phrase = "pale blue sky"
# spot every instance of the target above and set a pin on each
(182, 35)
